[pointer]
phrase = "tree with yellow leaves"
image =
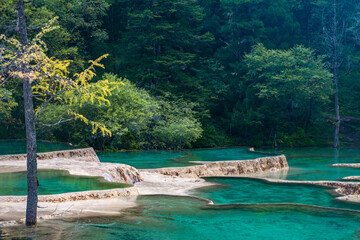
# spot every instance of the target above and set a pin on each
(46, 80)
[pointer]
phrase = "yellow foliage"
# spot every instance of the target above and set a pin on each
(50, 77)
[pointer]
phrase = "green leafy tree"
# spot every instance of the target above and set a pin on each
(80, 34)
(178, 125)
(176, 134)
(131, 112)
(7, 104)
(136, 119)
(159, 44)
(284, 86)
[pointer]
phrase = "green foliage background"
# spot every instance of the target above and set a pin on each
(202, 73)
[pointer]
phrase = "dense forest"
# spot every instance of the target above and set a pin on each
(199, 73)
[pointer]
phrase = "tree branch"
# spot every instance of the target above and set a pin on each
(51, 98)
(36, 27)
(54, 124)
(6, 95)
(4, 81)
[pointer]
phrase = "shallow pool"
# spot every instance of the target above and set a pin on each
(53, 182)
(143, 159)
(314, 164)
(242, 190)
(159, 159)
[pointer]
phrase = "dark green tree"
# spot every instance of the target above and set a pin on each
(283, 87)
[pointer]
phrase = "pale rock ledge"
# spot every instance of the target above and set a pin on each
(226, 168)
(81, 162)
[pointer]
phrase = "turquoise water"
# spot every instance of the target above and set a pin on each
(19, 147)
(314, 163)
(242, 190)
(319, 168)
(53, 182)
(225, 154)
(316, 152)
(305, 164)
(168, 218)
(144, 159)
(159, 159)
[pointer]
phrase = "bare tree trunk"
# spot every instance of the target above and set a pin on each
(335, 68)
(32, 196)
(307, 13)
(309, 116)
(337, 115)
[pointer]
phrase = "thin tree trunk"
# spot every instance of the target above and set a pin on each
(32, 196)
(307, 13)
(308, 119)
(335, 68)
(337, 115)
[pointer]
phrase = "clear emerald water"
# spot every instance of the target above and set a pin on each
(179, 218)
(160, 159)
(53, 182)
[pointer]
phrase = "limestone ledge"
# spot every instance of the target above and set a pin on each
(226, 168)
(81, 162)
(112, 172)
(348, 165)
(77, 196)
(84, 154)
(155, 183)
(351, 178)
